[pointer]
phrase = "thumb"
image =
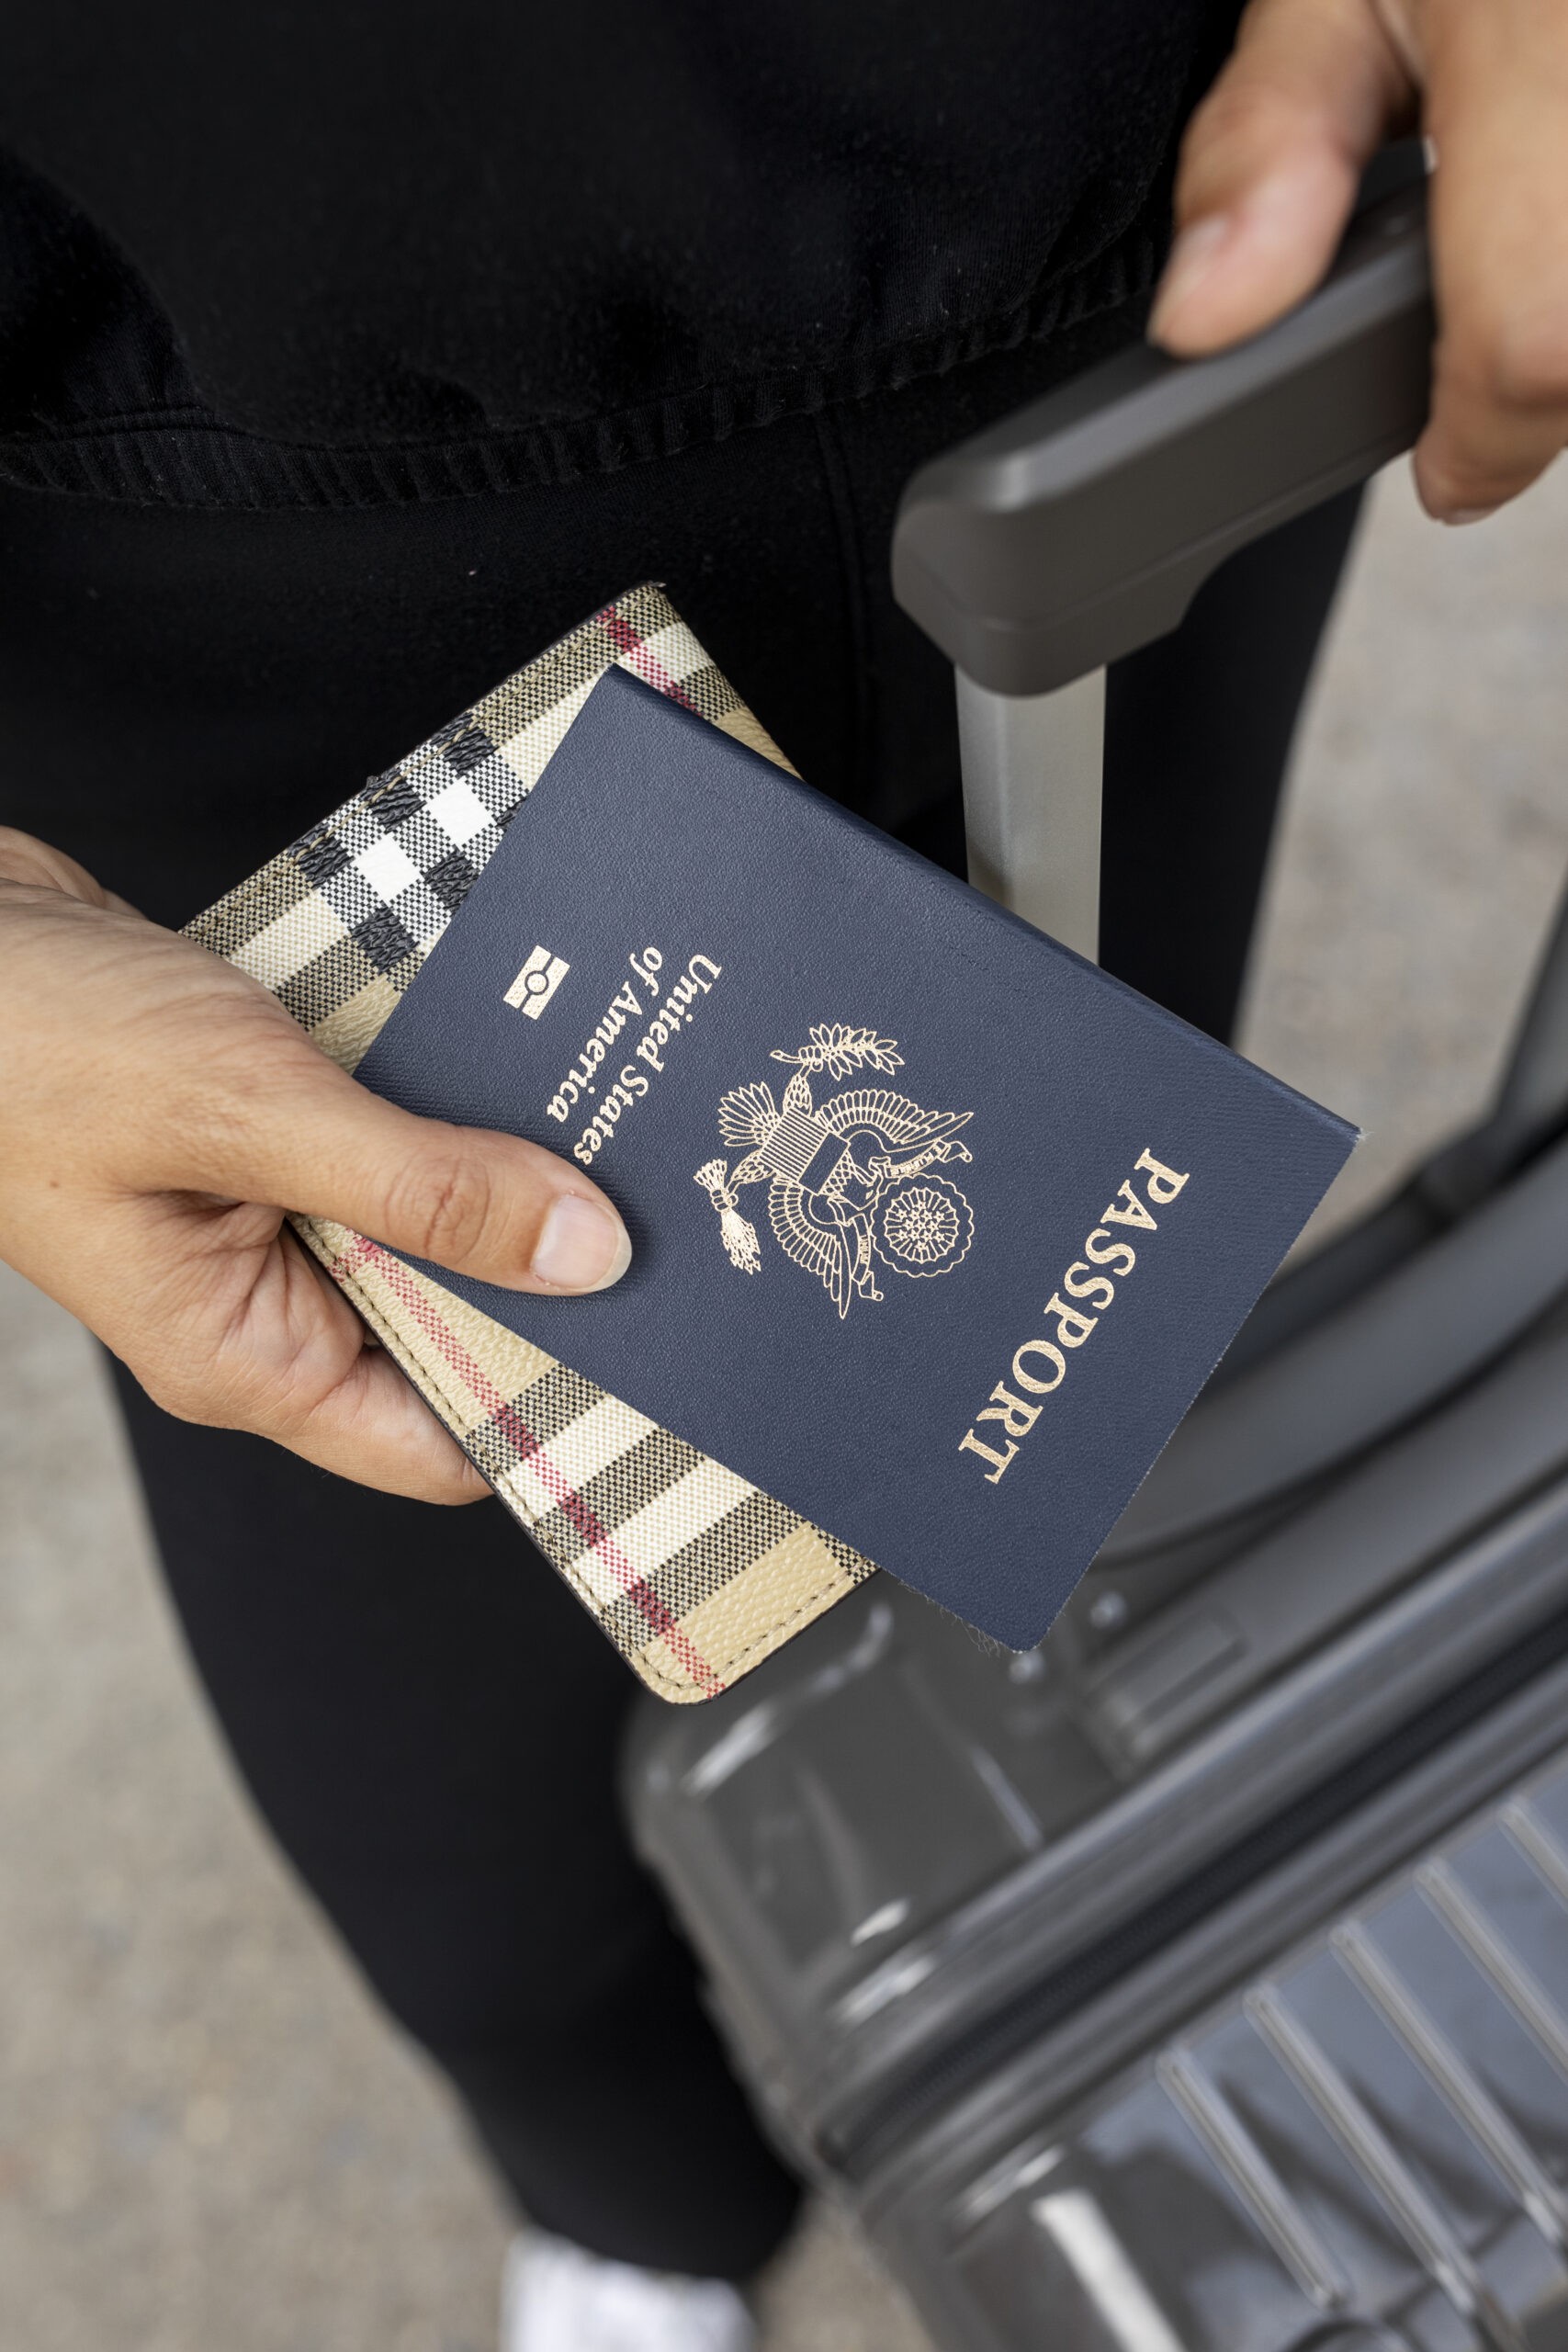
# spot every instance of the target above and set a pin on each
(484, 1204)
(1270, 167)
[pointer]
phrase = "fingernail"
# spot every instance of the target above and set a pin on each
(583, 1246)
(1470, 515)
(1192, 256)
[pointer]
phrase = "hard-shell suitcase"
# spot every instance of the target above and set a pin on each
(1334, 2111)
(1063, 1967)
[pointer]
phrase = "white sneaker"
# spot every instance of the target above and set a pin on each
(556, 2297)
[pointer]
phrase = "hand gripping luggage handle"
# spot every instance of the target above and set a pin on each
(1081, 528)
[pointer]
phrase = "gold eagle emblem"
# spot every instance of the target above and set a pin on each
(848, 1178)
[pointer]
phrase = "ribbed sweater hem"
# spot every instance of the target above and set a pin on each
(190, 456)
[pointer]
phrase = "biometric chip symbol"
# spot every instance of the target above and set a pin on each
(536, 983)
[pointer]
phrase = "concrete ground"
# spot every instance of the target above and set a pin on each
(208, 2137)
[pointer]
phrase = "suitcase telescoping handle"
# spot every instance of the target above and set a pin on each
(1080, 528)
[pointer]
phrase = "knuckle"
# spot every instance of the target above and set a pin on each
(1254, 134)
(446, 1204)
(1528, 361)
(214, 1388)
(1505, 361)
(1238, 103)
(1233, 120)
(1449, 488)
(1255, 102)
(184, 1395)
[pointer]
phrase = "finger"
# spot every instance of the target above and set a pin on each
(1497, 103)
(374, 1428)
(1269, 168)
(302, 1134)
(39, 865)
(250, 1334)
(199, 1083)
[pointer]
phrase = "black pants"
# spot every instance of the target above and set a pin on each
(181, 694)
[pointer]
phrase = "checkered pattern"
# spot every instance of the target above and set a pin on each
(695, 1575)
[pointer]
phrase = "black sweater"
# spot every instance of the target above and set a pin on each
(327, 252)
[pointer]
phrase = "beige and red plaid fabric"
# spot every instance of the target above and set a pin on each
(693, 1573)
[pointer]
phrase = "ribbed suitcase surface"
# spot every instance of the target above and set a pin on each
(1368, 2138)
(902, 1857)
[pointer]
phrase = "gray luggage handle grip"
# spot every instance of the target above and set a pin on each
(1081, 527)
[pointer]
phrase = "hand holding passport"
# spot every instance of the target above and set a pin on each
(938, 1229)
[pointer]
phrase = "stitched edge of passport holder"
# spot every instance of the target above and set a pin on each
(693, 1573)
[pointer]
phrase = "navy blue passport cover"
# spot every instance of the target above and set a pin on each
(938, 1229)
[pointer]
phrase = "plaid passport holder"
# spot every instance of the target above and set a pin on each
(693, 1573)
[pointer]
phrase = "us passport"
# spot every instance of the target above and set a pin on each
(938, 1229)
